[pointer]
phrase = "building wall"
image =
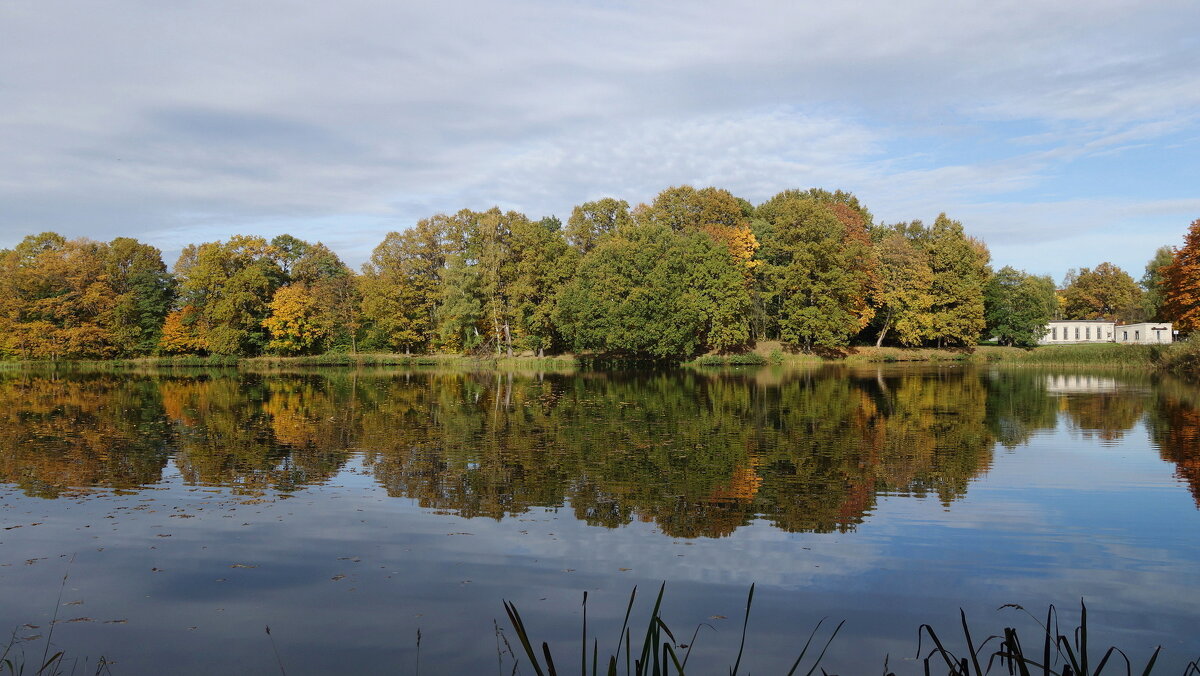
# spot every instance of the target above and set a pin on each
(1063, 332)
(1145, 333)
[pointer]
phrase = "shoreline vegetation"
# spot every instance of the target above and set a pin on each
(1052, 649)
(1181, 358)
(695, 272)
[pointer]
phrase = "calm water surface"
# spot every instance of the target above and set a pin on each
(348, 509)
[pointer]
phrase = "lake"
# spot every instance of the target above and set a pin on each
(350, 509)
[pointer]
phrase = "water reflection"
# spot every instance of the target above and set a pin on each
(697, 454)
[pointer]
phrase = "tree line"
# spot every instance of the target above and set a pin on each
(694, 271)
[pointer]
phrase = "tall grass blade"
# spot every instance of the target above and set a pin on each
(278, 660)
(827, 643)
(624, 629)
(745, 623)
(804, 650)
(518, 626)
(1154, 658)
(1081, 639)
(938, 648)
(549, 659)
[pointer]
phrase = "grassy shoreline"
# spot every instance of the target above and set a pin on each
(1183, 357)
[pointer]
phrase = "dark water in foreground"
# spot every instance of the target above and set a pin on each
(349, 509)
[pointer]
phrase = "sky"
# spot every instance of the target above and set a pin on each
(1061, 133)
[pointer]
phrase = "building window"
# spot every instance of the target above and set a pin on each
(1054, 333)
(1124, 335)
(1076, 333)
(1137, 335)
(1087, 333)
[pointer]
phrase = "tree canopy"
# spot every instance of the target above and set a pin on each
(695, 270)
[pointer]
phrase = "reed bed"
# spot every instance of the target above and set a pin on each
(657, 651)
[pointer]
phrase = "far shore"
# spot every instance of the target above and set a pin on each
(1177, 357)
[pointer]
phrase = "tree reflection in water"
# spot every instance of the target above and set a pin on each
(697, 454)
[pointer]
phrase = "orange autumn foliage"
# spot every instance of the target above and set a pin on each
(1181, 283)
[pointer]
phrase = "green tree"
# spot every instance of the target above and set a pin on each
(1106, 292)
(542, 264)
(144, 292)
(650, 292)
(822, 270)
(711, 210)
(960, 271)
(402, 285)
(230, 284)
(591, 221)
(1018, 306)
(1152, 283)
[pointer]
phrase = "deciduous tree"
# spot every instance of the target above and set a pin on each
(1106, 292)
(1181, 283)
(1019, 306)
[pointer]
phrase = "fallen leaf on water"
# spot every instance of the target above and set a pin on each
(116, 621)
(335, 578)
(78, 619)
(717, 617)
(73, 603)
(624, 569)
(31, 638)
(163, 535)
(31, 626)
(242, 565)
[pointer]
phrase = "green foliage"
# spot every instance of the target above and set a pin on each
(1152, 283)
(591, 221)
(649, 292)
(401, 285)
(230, 284)
(1019, 307)
(542, 264)
(960, 271)
(820, 269)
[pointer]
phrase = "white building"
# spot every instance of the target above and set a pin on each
(1063, 331)
(1067, 331)
(1145, 333)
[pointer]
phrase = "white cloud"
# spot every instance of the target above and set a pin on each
(192, 120)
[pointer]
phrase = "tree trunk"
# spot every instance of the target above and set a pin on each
(508, 339)
(883, 332)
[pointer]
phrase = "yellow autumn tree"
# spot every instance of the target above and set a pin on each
(181, 333)
(294, 321)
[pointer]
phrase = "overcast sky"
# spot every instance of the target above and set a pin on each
(1062, 133)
